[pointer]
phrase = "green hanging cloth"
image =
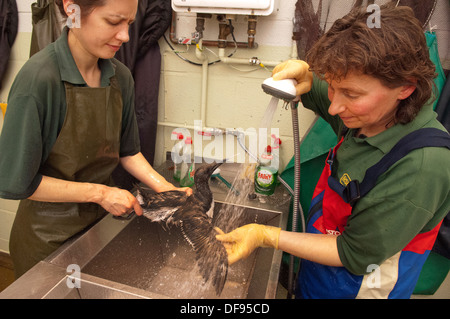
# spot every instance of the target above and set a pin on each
(47, 24)
(436, 267)
(434, 56)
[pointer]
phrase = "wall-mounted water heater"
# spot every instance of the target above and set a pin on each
(244, 7)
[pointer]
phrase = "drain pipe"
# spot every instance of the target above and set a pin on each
(205, 67)
(251, 31)
(224, 31)
(248, 61)
(213, 43)
(204, 90)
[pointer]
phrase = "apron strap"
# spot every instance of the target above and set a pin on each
(426, 137)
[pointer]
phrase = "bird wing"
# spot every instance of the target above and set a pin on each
(160, 207)
(211, 255)
(187, 212)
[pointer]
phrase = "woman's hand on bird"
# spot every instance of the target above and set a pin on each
(295, 69)
(118, 201)
(188, 190)
(241, 242)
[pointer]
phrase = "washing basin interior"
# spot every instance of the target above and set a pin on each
(147, 256)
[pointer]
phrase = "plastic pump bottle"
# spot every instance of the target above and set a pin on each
(177, 156)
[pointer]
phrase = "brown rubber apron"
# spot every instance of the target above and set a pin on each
(86, 150)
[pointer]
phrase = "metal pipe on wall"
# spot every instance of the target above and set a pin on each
(213, 43)
(223, 59)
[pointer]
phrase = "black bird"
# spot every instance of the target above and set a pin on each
(193, 215)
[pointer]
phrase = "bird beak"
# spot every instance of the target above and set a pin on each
(214, 167)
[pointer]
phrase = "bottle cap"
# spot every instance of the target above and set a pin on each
(276, 141)
(179, 135)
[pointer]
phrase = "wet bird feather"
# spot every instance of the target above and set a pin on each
(190, 215)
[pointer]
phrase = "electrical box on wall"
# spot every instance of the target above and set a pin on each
(244, 7)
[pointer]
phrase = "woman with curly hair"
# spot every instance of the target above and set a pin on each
(384, 191)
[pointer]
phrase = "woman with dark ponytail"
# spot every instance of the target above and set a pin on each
(70, 122)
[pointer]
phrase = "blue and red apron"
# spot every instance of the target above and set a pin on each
(330, 208)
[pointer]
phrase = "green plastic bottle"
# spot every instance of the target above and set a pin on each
(188, 164)
(266, 174)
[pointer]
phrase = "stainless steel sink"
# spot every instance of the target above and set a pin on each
(136, 258)
(95, 288)
(162, 262)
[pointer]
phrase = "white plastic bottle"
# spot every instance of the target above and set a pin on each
(177, 154)
(276, 148)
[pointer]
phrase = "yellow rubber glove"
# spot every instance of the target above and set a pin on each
(241, 242)
(295, 69)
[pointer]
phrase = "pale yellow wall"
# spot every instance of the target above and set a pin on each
(234, 95)
(234, 99)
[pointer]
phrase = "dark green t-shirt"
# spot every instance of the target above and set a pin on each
(410, 198)
(36, 113)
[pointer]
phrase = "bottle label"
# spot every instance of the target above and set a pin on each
(177, 173)
(192, 172)
(264, 177)
(188, 179)
(265, 181)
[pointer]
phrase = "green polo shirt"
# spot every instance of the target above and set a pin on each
(36, 113)
(410, 198)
